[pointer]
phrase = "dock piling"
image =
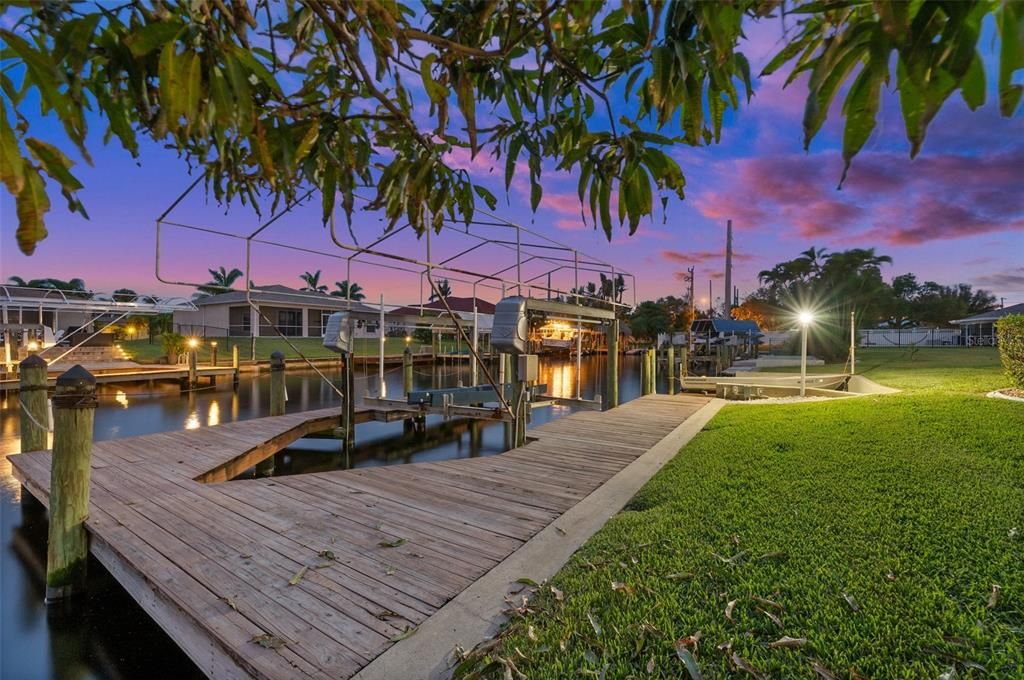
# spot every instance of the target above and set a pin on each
(265, 468)
(35, 417)
(670, 368)
(67, 552)
(193, 368)
(644, 371)
(234, 365)
(611, 383)
(407, 371)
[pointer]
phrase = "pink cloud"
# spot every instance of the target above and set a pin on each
(701, 256)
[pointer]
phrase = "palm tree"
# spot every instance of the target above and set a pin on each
(125, 295)
(312, 281)
(17, 281)
(351, 291)
(220, 280)
(443, 289)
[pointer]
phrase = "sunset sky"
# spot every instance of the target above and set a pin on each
(955, 214)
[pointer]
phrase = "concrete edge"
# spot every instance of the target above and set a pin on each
(475, 613)
(996, 394)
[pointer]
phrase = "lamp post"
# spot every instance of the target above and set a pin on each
(805, 319)
(213, 352)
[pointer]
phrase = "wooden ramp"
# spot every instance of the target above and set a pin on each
(314, 575)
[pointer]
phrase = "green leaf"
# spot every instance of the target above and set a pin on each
(435, 90)
(170, 87)
(486, 195)
(1011, 55)
(55, 163)
(514, 147)
(246, 58)
(973, 86)
(686, 656)
(467, 104)
(11, 163)
(308, 140)
(861, 108)
(32, 203)
(151, 36)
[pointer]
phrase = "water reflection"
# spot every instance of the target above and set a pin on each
(109, 636)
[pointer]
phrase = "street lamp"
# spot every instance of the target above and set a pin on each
(805, 318)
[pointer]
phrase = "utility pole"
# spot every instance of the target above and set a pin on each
(711, 301)
(728, 269)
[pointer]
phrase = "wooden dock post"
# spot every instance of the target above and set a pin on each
(234, 365)
(35, 416)
(193, 368)
(611, 383)
(670, 368)
(278, 395)
(407, 371)
(653, 373)
(644, 371)
(67, 553)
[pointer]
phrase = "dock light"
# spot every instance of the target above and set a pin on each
(193, 343)
(213, 352)
(806, 318)
(408, 339)
(33, 346)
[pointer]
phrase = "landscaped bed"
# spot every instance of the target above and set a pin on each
(875, 537)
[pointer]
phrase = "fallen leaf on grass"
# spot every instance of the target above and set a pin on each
(593, 622)
(768, 603)
(993, 598)
(774, 619)
(392, 544)
(822, 672)
(850, 601)
(268, 641)
(294, 580)
(786, 642)
(531, 633)
(742, 664)
(650, 665)
(728, 610)
(682, 576)
(735, 559)
(771, 555)
(404, 634)
(559, 595)
(949, 674)
(620, 586)
(686, 656)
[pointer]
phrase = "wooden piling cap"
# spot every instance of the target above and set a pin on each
(33, 361)
(277, 358)
(76, 378)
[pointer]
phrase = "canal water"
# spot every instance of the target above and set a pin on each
(106, 635)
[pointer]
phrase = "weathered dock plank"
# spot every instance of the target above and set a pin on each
(315, 575)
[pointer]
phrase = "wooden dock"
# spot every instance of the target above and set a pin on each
(314, 575)
(140, 374)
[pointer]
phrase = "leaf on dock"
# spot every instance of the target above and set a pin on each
(392, 544)
(527, 581)
(229, 602)
(294, 580)
(404, 634)
(269, 641)
(327, 555)
(386, 614)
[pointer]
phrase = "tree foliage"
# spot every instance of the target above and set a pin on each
(351, 291)
(280, 96)
(221, 280)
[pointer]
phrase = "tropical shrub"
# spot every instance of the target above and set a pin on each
(1010, 335)
(173, 345)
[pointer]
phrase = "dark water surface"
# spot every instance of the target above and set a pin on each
(106, 634)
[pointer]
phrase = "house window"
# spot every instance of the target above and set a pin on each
(289, 321)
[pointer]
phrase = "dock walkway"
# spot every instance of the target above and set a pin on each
(314, 575)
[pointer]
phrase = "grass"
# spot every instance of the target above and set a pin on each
(145, 352)
(873, 528)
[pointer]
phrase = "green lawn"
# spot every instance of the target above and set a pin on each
(145, 352)
(875, 529)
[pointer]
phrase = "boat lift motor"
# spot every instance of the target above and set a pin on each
(338, 333)
(511, 329)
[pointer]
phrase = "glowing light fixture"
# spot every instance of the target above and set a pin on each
(193, 343)
(805, 318)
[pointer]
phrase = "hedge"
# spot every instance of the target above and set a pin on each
(1010, 334)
